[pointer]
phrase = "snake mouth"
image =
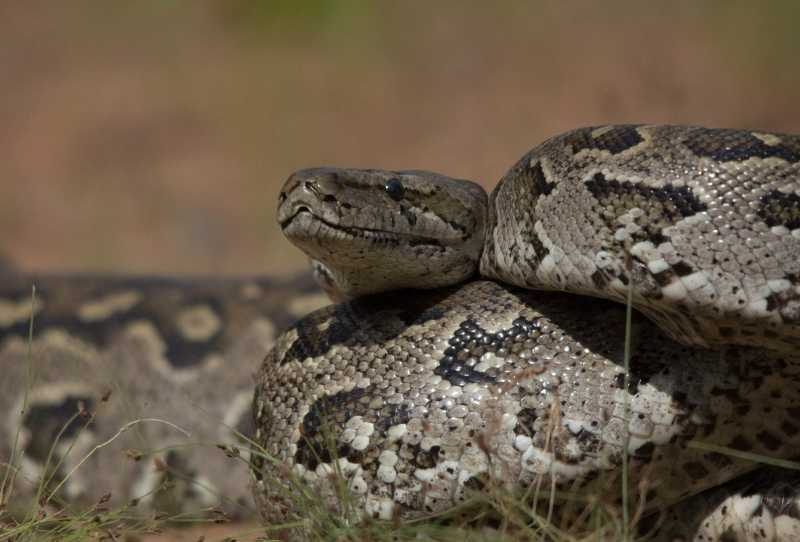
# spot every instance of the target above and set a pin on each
(303, 212)
(302, 209)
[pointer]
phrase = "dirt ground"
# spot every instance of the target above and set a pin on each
(247, 532)
(152, 137)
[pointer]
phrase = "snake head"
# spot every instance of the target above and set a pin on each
(374, 230)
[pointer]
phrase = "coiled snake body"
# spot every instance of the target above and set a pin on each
(427, 392)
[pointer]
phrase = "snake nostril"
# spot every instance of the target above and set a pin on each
(328, 198)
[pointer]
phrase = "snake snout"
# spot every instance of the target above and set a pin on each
(286, 216)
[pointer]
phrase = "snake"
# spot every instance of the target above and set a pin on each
(506, 358)
(703, 222)
(134, 391)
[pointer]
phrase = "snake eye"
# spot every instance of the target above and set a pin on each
(394, 188)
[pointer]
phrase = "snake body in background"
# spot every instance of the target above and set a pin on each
(426, 393)
(122, 349)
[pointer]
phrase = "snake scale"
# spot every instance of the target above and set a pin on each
(425, 394)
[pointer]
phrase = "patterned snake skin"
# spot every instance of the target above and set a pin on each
(709, 221)
(425, 393)
(121, 349)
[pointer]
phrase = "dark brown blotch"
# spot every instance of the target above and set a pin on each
(770, 441)
(45, 421)
(614, 140)
(663, 207)
(780, 209)
(696, 470)
(728, 145)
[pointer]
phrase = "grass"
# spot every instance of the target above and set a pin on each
(9, 476)
(47, 518)
(494, 512)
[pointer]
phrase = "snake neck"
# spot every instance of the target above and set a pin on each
(509, 250)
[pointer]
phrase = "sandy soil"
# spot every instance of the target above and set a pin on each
(212, 533)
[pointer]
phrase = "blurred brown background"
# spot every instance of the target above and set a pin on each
(153, 136)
